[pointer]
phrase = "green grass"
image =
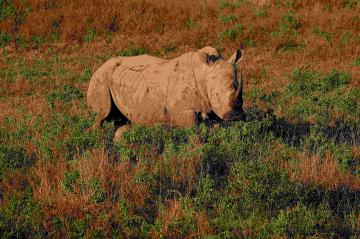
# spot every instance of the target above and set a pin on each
(320, 96)
(6, 9)
(289, 46)
(228, 18)
(262, 12)
(133, 51)
(231, 181)
(324, 34)
(357, 61)
(350, 3)
(288, 25)
(224, 4)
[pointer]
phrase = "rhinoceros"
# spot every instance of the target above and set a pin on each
(148, 90)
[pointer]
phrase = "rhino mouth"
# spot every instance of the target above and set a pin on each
(235, 115)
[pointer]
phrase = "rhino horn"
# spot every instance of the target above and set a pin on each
(241, 84)
(237, 56)
(238, 85)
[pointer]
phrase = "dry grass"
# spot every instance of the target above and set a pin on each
(181, 26)
(152, 25)
(322, 171)
(174, 212)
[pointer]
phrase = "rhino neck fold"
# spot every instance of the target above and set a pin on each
(199, 74)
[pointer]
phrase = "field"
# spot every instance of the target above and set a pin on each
(291, 170)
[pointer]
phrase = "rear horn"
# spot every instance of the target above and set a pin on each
(235, 81)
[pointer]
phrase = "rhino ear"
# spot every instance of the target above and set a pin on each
(204, 57)
(208, 59)
(236, 57)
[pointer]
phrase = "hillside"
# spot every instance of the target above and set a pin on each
(291, 170)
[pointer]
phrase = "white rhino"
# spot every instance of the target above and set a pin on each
(149, 90)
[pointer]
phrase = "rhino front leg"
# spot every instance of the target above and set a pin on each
(185, 118)
(120, 131)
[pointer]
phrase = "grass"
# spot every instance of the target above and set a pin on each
(291, 170)
(324, 34)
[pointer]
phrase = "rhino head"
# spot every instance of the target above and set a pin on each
(224, 85)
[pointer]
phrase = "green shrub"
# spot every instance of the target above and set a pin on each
(21, 216)
(260, 186)
(5, 38)
(262, 12)
(228, 18)
(324, 34)
(35, 72)
(289, 22)
(168, 48)
(71, 180)
(346, 38)
(80, 138)
(228, 34)
(289, 25)
(99, 192)
(289, 46)
(37, 41)
(7, 9)
(14, 158)
(8, 74)
(230, 4)
(350, 3)
(206, 195)
(319, 95)
(134, 51)
(90, 35)
(78, 228)
(357, 61)
(67, 94)
(302, 221)
(190, 23)
(85, 76)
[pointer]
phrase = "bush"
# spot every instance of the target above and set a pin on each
(14, 158)
(21, 216)
(302, 221)
(228, 18)
(318, 96)
(67, 94)
(133, 51)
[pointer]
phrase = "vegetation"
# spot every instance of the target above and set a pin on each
(291, 170)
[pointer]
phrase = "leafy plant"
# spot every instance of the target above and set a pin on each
(90, 35)
(324, 34)
(66, 94)
(228, 18)
(133, 51)
(7, 9)
(357, 61)
(289, 22)
(5, 38)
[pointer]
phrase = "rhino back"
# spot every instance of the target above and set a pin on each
(151, 90)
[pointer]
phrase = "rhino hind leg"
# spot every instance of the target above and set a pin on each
(111, 114)
(116, 116)
(120, 130)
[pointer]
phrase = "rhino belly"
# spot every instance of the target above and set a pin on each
(141, 99)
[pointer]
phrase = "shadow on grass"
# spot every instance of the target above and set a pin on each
(294, 134)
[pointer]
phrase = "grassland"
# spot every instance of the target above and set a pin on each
(292, 170)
